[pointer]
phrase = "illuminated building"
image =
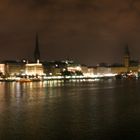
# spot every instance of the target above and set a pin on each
(72, 66)
(14, 68)
(103, 70)
(57, 68)
(88, 71)
(34, 69)
(84, 70)
(2, 69)
(127, 66)
(54, 68)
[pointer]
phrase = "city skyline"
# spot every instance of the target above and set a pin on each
(36, 57)
(86, 31)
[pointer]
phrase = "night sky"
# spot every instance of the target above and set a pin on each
(88, 31)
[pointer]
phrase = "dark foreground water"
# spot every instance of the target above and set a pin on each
(96, 110)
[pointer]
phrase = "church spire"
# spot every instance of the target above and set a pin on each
(127, 52)
(36, 51)
(126, 56)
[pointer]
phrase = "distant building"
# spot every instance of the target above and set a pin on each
(58, 68)
(126, 57)
(72, 66)
(54, 68)
(84, 70)
(34, 69)
(129, 65)
(13, 68)
(88, 71)
(2, 69)
(103, 70)
(65, 67)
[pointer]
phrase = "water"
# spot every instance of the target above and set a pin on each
(94, 110)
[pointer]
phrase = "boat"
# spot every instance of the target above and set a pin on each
(23, 80)
(36, 80)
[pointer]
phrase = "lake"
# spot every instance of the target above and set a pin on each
(70, 110)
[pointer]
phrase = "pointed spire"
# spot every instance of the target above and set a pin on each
(127, 52)
(36, 51)
(126, 57)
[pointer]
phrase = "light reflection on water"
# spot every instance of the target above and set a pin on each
(105, 109)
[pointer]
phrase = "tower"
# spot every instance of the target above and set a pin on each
(126, 56)
(36, 51)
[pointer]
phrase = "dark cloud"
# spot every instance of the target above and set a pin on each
(86, 30)
(31, 2)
